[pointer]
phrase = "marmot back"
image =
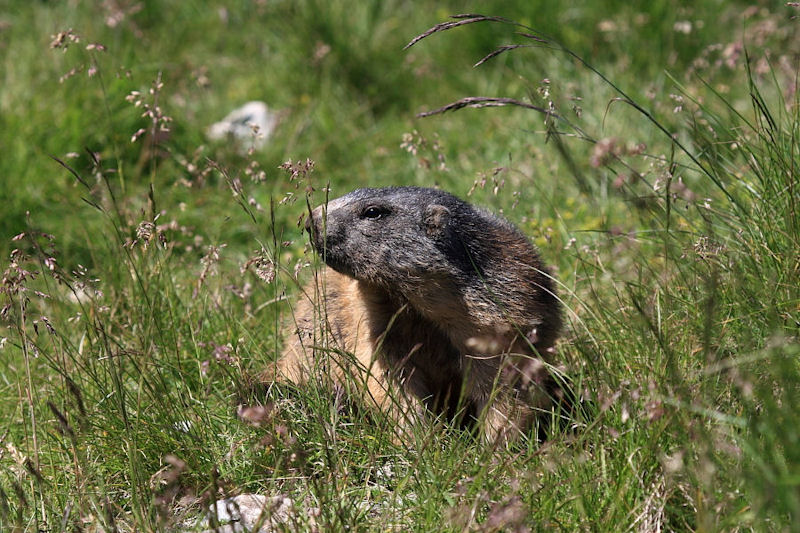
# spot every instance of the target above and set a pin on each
(428, 292)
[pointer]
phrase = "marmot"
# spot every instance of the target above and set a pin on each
(429, 293)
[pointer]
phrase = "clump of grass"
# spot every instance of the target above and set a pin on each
(713, 282)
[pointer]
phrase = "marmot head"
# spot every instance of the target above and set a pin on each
(445, 256)
(391, 235)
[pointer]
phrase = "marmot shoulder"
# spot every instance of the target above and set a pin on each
(424, 292)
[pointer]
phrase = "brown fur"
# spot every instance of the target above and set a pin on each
(444, 300)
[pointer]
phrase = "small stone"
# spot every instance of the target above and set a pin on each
(253, 513)
(248, 126)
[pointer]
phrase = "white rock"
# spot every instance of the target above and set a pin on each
(243, 513)
(249, 125)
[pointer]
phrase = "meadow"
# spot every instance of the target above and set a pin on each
(649, 150)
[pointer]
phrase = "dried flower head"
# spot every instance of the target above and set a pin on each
(262, 265)
(299, 170)
(63, 39)
(255, 415)
(209, 262)
(145, 231)
(159, 121)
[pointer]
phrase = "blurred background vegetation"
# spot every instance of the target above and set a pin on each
(672, 228)
(347, 89)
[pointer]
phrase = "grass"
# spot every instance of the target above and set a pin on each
(138, 297)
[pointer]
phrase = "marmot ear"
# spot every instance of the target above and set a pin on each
(435, 218)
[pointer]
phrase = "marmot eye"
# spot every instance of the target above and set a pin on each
(373, 212)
